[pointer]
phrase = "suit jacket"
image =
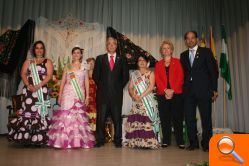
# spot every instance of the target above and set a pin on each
(175, 76)
(203, 73)
(109, 83)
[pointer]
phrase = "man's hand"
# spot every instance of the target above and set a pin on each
(215, 96)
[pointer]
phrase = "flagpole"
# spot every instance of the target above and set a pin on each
(213, 113)
(212, 47)
(224, 105)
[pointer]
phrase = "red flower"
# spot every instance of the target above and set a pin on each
(5, 61)
(94, 121)
(147, 54)
(128, 56)
(1, 47)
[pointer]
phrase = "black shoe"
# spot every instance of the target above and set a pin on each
(181, 146)
(119, 145)
(205, 149)
(164, 145)
(205, 146)
(98, 145)
(192, 147)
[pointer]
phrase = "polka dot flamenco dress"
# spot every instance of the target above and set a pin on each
(28, 128)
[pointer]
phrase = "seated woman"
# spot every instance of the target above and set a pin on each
(142, 127)
(169, 82)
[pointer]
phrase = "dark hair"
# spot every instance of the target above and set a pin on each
(90, 59)
(77, 48)
(81, 51)
(144, 57)
(34, 45)
(194, 32)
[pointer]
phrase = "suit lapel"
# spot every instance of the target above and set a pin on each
(197, 54)
(187, 61)
(106, 61)
(116, 61)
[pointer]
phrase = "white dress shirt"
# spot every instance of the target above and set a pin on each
(194, 50)
(109, 57)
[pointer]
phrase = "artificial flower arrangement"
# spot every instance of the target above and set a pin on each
(54, 83)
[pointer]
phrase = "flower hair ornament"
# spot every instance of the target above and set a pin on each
(148, 64)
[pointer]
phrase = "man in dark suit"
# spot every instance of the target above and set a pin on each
(110, 75)
(200, 88)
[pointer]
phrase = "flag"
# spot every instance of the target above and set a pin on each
(213, 49)
(224, 63)
(212, 44)
(202, 42)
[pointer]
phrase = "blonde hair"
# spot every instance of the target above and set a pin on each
(168, 43)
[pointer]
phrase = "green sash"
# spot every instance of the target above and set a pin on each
(148, 101)
(41, 103)
(75, 85)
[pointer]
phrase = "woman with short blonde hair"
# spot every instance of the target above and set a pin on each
(169, 82)
(169, 43)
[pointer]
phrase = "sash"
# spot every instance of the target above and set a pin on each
(75, 85)
(148, 101)
(41, 103)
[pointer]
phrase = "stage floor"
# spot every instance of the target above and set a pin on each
(15, 155)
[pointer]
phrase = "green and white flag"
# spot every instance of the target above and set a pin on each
(224, 63)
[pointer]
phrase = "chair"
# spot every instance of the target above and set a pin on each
(16, 105)
(109, 130)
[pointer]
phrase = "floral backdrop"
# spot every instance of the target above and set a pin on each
(7, 43)
(128, 49)
(125, 46)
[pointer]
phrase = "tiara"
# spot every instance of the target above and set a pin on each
(82, 49)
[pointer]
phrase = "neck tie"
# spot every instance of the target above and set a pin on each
(111, 62)
(191, 57)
